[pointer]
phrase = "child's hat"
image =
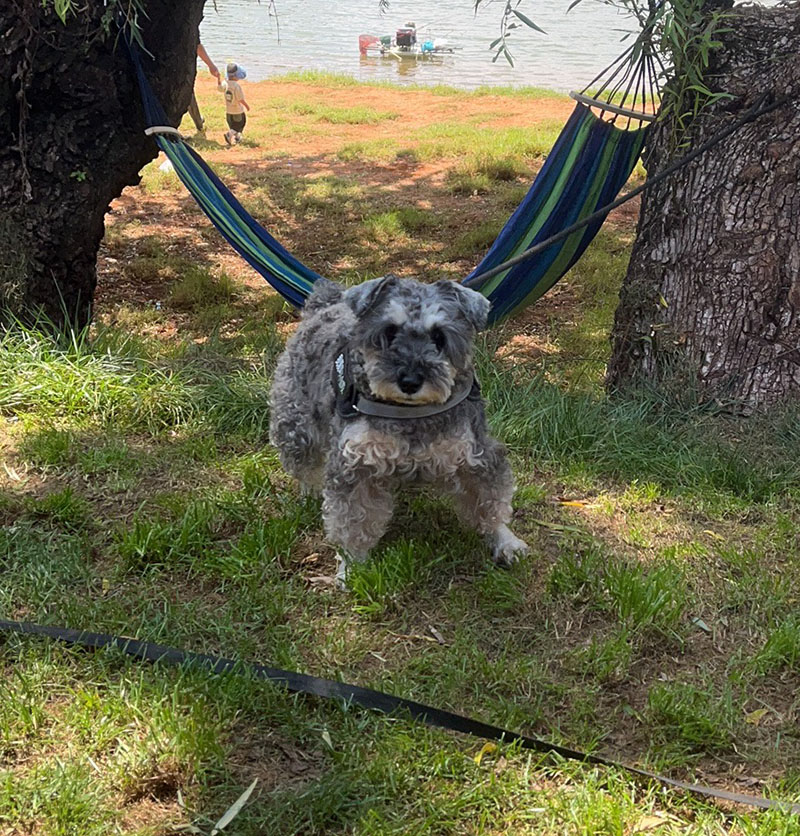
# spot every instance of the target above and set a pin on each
(235, 71)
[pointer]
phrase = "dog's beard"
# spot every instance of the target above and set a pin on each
(432, 391)
(428, 393)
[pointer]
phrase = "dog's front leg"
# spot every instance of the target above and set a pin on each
(482, 497)
(356, 509)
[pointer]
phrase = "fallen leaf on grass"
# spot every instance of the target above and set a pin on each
(557, 527)
(650, 823)
(12, 473)
(488, 749)
(436, 634)
(411, 637)
(713, 534)
(230, 814)
(755, 717)
(322, 580)
(701, 625)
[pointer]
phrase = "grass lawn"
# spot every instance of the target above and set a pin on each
(657, 620)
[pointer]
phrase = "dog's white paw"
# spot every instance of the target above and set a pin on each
(507, 547)
(342, 571)
(323, 580)
(335, 581)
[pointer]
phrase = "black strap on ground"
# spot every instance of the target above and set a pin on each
(764, 104)
(301, 683)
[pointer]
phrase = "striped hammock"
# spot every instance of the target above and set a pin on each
(589, 164)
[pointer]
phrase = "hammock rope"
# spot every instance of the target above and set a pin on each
(587, 167)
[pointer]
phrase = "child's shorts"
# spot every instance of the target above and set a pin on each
(236, 121)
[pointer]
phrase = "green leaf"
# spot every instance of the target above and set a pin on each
(62, 8)
(528, 22)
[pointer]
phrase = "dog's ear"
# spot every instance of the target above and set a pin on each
(366, 295)
(475, 306)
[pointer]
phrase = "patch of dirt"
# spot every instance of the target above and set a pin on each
(275, 762)
(161, 786)
(418, 108)
(150, 814)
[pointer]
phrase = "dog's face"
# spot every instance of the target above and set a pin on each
(413, 340)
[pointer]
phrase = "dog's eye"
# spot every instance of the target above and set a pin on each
(389, 333)
(439, 339)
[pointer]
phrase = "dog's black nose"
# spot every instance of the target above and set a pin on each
(409, 382)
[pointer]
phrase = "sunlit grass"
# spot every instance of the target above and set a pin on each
(159, 176)
(198, 287)
(512, 145)
(320, 112)
(406, 221)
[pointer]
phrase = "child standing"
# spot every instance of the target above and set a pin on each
(235, 104)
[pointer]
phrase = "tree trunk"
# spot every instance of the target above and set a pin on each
(711, 301)
(71, 138)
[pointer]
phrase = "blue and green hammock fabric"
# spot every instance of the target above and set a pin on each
(292, 279)
(589, 164)
(586, 169)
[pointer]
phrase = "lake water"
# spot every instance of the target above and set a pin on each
(323, 35)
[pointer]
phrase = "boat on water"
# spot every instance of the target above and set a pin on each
(407, 42)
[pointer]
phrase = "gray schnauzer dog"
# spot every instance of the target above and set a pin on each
(376, 390)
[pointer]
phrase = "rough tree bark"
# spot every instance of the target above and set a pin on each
(711, 301)
(71, 139)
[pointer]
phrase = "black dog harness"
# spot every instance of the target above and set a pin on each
(350, 403)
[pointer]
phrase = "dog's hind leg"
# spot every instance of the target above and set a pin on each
(300, 453)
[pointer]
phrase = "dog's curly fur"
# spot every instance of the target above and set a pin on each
(409, 343)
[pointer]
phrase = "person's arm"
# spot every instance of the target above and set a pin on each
(204, 57)
(240, 98)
